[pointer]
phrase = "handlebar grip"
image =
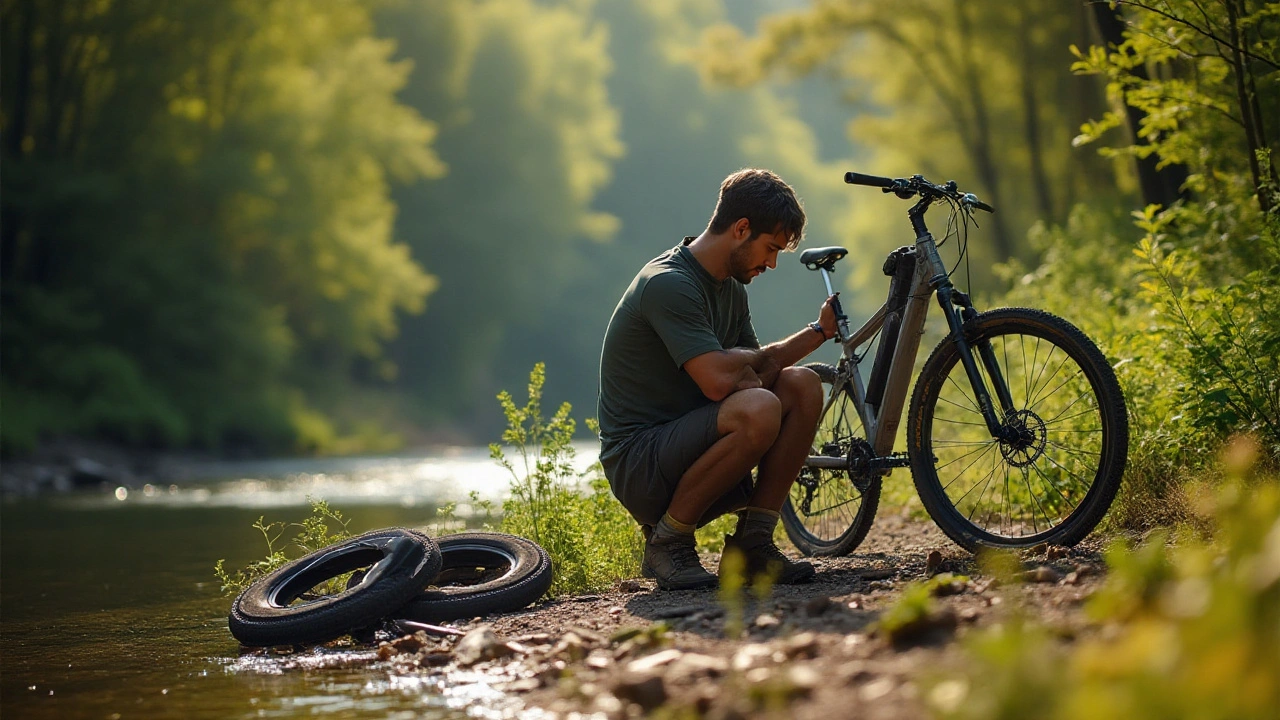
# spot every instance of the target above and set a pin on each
(854, 178)
(983, 206)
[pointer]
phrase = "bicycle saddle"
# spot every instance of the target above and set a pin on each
(826, 257)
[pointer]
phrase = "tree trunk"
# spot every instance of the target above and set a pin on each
(1031, 118)
(1160, 186)
(18, 112)
(982, 158)
(1248, 106)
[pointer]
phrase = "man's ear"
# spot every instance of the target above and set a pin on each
(741, 229)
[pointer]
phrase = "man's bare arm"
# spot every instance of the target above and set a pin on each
(721, 373)
(791, 350)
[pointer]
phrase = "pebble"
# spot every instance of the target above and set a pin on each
(765, 620)
(647, 691)
(630, 586)
(804, 645)
(877, 573)
(1056, 552)
(1042, 574)
(480, 644)
(656, 660)
(932, 562)
(818, 606)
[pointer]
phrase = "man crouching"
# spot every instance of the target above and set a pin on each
(689, 401)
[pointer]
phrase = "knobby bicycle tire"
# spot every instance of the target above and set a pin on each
(1056, 481)
(403, 563)
(525, 576)
(844, 514)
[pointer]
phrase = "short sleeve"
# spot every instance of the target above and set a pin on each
(676, 309)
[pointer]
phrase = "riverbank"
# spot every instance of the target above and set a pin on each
(635, 650)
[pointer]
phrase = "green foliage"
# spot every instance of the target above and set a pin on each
(590, 537)
(1193, 632)
(313, 533)
(203, 234)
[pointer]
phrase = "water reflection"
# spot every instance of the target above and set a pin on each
(117, 614)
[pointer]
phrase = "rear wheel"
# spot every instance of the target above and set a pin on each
(1053, 475)
(829, 512)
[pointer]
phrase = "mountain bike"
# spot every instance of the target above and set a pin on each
(1017, 432)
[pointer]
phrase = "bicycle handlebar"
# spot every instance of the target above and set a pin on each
(854, 178)
(916, 184)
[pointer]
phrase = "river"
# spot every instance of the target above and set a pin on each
(110, 609)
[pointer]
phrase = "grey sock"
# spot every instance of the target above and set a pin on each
(756, 522)
(666, 531)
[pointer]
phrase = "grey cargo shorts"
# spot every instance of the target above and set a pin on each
(645, 469)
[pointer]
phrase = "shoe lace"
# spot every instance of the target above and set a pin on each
(684, 556)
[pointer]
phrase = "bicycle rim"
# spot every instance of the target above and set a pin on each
(1043, 486)
(825, 514)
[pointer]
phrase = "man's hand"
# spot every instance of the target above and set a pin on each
(767, 368)
(827, 316)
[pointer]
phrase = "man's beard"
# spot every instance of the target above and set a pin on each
(739, 267)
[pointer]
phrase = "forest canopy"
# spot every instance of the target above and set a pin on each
(342, 225)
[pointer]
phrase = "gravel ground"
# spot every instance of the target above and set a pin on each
(805, 650)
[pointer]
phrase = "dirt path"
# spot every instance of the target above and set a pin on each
(807, 648)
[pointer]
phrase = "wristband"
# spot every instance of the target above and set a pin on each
(817, 327)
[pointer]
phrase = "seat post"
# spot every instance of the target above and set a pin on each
(826, 278)
(842, 320)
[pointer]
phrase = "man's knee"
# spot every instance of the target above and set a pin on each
(755, 412)
(799, 388)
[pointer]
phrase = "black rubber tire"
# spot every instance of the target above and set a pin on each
(526, 578)
(847, 530)
(403, 563)
(1094, 459)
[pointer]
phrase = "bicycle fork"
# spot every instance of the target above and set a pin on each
(949, 298)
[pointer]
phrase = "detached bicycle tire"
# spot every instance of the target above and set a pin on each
(403, 563)
(525, 577)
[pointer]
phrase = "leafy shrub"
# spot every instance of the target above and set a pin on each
(312, 534)
(590, 537)
(1193, 631)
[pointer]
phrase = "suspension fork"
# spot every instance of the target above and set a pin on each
(949, 298)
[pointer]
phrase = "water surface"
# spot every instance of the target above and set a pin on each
(109, 607)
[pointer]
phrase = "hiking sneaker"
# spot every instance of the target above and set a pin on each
(764, 558)
(675, 565)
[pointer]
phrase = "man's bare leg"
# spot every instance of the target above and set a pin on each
(748, 423)
(800, 393)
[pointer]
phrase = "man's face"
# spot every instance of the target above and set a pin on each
(753, 257)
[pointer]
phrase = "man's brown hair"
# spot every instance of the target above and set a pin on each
(765, 200)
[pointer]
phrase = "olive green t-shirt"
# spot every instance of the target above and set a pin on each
(673, 311)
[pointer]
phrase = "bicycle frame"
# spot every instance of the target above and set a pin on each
(881, 424)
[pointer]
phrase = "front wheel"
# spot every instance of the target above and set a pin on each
(828, 512)
(1053, 475)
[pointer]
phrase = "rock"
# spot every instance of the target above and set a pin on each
(521, 685)
(1040, 549)
(854, 672)
(1042, 574)
(880, 585)
(86, 473)
(386, 651)
(751, 655)
(769, 687)
(651, 662)
(765, 620)
(478, 645)
(1072, 578)
(697, 665)
(599, 659)
(877, 689)
(586, 598)
(818, 606)
(1055, 553)
(630, 586)
(970, 614)
(570, 647)
(646, 690)
(410, 643)
(932, 562)
(877, 573)
(435, 659)
(948, 584)
(804, 645)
